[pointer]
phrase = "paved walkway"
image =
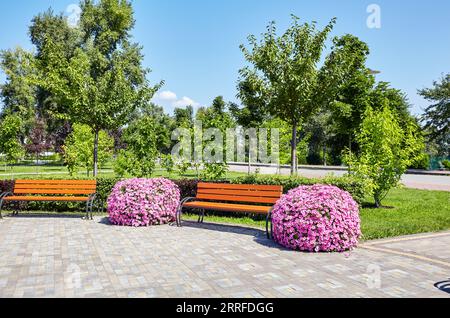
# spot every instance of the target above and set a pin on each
(69, 257)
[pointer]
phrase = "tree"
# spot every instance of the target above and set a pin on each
(102, 81)
(49, 25)
(38, 140)
(285, 78)
(11, 127)
(139, 157)
(163, 124)
(184, 117)
(386, 151)
(78, 152)
(18, 94)
(436, 118)
(216, 117)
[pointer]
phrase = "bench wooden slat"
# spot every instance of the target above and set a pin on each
(46, 199)
(52, 191)
(240, 187)
(56, 187)
(249, 192)
(236, 198)
(57, 182)
(229, 207)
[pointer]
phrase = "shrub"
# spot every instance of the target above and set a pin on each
(317, 218)
(214, 171)
(187, 187)
(355, 186)
(143, 202)
(446, 164)
(386, 150)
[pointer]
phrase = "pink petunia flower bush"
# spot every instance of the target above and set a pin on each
(143, 202)
(317, 218)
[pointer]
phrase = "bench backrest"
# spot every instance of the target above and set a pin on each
(55, 187)
(239, 193)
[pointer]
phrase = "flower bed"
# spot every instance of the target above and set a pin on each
(317, 218)
(143, 202)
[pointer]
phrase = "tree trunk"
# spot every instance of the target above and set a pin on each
(294, 162)
(96, 153)
(325, 155)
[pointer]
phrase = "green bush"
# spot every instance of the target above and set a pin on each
(446, 164)
(214, 171)
(423, 162)
(356, 187)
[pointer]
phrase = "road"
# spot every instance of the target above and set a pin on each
(414, 181)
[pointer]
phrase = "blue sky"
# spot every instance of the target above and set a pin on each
(194, 44)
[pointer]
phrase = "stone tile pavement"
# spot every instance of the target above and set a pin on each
(68, 257)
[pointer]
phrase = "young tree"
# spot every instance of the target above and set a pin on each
(139, 158)
(285, 78)
(102, 82)
(11, 127)
(386, 151)
(38, 141)
(437, 116)
(78, 152)
(17, 93)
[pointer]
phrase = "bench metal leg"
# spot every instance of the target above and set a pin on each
(269, 229)
(90, 206)
(201, 216)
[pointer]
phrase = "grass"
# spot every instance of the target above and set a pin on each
(58, 170)
(410, 212)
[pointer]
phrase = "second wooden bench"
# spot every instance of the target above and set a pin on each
(240, 198)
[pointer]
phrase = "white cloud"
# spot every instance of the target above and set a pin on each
(169, 100)
(185, 101)
(167, 95)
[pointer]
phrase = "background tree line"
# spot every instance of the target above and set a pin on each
(83, 93)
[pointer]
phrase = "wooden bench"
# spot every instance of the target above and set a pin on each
(53, 191)
(233, 198)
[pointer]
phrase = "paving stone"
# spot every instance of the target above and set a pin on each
(67, 257)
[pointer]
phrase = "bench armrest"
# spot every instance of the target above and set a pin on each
(180, 209)
(5, 194)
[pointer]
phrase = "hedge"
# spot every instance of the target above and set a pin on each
(356, 187)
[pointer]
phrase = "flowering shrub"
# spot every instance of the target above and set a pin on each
(143, 202)
(317, 218)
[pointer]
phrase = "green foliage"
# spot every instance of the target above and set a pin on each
(182, 167)
(11, 128)
(352, 184)
(214, 171)
(139, 158)
(17, 93)
(386, 152)
(168, 163)
(446, 164)
(286, 80)
(102, 81)
(78, 151)
(437, 115)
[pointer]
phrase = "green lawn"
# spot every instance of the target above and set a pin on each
(411, 212)
(59, 171)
